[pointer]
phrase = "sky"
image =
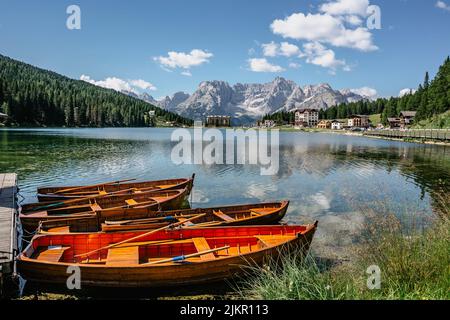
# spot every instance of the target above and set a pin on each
(377, 47)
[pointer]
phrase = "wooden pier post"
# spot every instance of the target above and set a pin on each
(8, 228)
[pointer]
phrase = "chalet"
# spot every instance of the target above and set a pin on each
(306, 118)
(358, 121)
(218, 121)
(407, 118)
(336, 125)
(394, 123)
(269, 123)
(324, 124)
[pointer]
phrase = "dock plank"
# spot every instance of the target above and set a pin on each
(8, 191)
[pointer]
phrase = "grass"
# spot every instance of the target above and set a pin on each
(375, 118)
(414, 265)
(441, 121)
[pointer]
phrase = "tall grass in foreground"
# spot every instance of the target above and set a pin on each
(413, 266)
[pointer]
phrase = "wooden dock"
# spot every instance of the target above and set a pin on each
(425, 134)
(8, 228)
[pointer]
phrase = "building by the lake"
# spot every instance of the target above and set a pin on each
(218, 121)
(306, 118)
(324, 124)
(337, 125)
(358, 121)
(405, 120)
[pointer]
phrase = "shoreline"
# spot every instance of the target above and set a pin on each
(281, 129)
(361, 134)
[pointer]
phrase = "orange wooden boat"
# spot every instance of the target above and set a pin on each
(163, 258)
(103, 207)
(249, 214)
(116, 187)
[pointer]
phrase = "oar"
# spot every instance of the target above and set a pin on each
(139, 236)
(93, 186)
(182, 258)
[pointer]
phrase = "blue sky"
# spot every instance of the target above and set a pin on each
(247, 41)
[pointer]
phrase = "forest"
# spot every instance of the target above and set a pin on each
(31, 96)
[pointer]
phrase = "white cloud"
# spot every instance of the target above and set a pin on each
(144, 85)
(345, 7)
(366, 92)
(353, 20)
(323, 28)
(406, 91)
(262, 65)
(294, 65)
(442, 5)
(286, 49)
(270, 49)
(186, 73)
(184, 60)
(317, 54)
(120, 84)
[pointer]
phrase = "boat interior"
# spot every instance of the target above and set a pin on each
(96, 204)
(111, 188)
(158, 248)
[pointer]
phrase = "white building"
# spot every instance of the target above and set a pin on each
(336, 125)
(306, 118)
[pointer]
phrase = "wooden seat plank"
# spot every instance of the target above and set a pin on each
(131, 202)
(223, 216)
(51, 254)
(123, 256)
(273, 240)
(65, 229)
(202, 245)
(96, 207)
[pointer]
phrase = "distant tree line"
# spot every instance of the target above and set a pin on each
(36, 97)
(430, 99)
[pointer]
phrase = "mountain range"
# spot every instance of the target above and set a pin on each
(247, 102)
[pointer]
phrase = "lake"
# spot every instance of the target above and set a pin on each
(337, 179)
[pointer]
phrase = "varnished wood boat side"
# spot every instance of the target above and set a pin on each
(171, 274)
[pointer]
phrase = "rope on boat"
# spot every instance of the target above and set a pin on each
(22, 198)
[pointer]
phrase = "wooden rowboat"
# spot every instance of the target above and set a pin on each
(249, 214)
(116, 187)
(163, 258)
(103, 207)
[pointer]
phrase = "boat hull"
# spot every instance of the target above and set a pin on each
(164, 275)
(48, 193)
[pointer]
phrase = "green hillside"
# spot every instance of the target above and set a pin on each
(37, 97)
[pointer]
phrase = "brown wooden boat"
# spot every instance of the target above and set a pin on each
(115, 187)
(109, 207)
(162, 258)
(249, 214)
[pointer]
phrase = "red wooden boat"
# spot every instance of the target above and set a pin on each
(103, 207)
(116, 187)
(265, 213)
(163, 258)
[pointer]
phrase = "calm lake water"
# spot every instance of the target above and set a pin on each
(335, 179)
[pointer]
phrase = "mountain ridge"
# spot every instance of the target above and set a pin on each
(248, 102)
